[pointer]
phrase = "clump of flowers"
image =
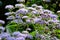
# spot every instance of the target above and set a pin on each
(31, 23)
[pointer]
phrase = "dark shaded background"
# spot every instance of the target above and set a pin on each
(3, 10)
(12, 2)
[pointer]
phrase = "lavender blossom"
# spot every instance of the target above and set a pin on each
(19, 6)
(16, 34)
(39, 7)
(10, 38)
(5, 35)
(28, 20)
(17, 16)
(9, 13)
(22, 11)
(2, 28)
(35, 12)
(20, 0)
(47, 0)
(24, 17)
(31, 9)
(20, 38)
(29, 36)
(18, 21)
(53, 16)
(36, 20)
(2, 22)
(10, 18)
(9, 7)
(25, 32)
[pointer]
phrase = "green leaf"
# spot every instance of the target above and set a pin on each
(33, 33)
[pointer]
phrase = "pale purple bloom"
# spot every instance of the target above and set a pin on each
(31, 9)
(5, 35)
(10, 18)
(2, 22)
(47, 0)
(20, 38)
(25, 32)
(28, 20)
(47, 11)
(36, 20)
(53, 16)
(2, 28)
(18, 21)
(24, 17)
(37, 35)
(39, 7)
(20, 0)
(9, 7)
(41, 22)
(22, 11)
(58, 25)
(23, 35)
(29, 36)
(16, 34)
(17, 16)
(10, 38)
(55, 20)
(9, 13)
(35, 12)
(19, 5)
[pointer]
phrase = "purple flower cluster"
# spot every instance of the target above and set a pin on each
(34, 14)
(15, 36)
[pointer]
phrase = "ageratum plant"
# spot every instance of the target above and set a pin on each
(30, 23)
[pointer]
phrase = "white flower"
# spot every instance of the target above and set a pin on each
(20, 0)
(35, 12)
(23, 35)
(28, 29)
(58, 11)
(25, 32)
(20, 38)
(47, 0)
(9, 7)
(39, 7)
(10, 18)
(17, 16)
(9, 13)
(36, 20)
(18, 21)
(24, 17)
(19, 5)
(16, 34)
(47, 11)
(2, 22)
(22, 11)
(2, 28)
(34, 5)
(28, 20)
(54, 21)
(31, 8)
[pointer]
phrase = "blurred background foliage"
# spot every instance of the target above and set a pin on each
(52, 5)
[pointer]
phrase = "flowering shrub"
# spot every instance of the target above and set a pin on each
(30, 23)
